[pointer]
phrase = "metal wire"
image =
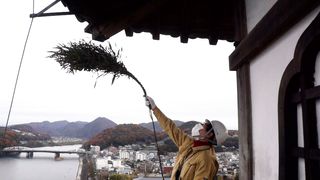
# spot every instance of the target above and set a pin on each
(18, 74)
(16, 83)
(156, 139)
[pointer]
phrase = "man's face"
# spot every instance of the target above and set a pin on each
(200, 131)
(203, 131)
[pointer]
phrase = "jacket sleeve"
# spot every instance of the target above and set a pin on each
(176, 134)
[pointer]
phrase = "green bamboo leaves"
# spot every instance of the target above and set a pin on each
(86, 56)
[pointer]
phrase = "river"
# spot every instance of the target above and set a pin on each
(42, 166)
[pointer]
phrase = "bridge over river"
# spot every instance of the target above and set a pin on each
(29, 152)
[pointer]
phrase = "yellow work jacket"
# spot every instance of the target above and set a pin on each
(195, 163)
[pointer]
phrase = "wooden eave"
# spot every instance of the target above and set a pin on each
(279, 19)
(212, 20)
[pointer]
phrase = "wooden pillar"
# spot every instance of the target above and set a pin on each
(29, 155)
(245, 123)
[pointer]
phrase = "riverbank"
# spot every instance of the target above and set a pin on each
(9, 154)
(86, 168)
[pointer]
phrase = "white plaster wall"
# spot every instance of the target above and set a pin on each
(300, 126)
(301, 162)
(302, 169)
(255, 10)
(266, 72)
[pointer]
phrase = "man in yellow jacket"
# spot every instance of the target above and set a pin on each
(196, 158)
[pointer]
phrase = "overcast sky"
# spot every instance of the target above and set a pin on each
(187, 81)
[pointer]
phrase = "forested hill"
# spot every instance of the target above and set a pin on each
(22, 135)
(122, 135)
(125, 134)
(157, 126)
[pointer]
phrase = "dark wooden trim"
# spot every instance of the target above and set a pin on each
(213, 38)
(312, 38)
(298, 152)
(240, 21)
(287, 122)
(280, 18)
(185, 14)
(156, 22)
(312, 154)
(129, 32)
(104, 32)
(312, 93)
(309, 118)
(297, 87)
(245, 123)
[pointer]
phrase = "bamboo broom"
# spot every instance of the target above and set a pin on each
(86, 56)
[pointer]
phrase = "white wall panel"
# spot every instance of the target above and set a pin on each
(300, 126)
(302, 169)
(266, 72)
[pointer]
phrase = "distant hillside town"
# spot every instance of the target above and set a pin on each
(141, 160)
(119, 149)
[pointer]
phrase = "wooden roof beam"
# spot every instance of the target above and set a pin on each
(129, 32)
(185, 16)
(184, 38)
(155, 36)
(213, 41)
(113, 28)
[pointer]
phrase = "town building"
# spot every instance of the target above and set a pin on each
(141, 156)
(124, 154)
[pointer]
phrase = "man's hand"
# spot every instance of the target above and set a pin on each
(150, 102)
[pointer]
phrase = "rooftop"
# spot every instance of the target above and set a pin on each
(212, 20)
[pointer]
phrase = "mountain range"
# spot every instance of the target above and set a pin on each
(78, 129)
(104, 132)
(88, 130)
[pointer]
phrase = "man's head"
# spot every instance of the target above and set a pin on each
(204, 132)
(212, 131)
